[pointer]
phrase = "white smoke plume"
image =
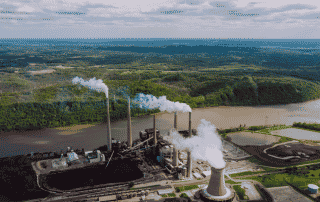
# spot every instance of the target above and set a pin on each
(93, 84)
(205, 146)
(152, 102)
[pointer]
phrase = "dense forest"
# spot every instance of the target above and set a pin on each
(31, 101)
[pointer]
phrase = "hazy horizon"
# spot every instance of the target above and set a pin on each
(222, 19)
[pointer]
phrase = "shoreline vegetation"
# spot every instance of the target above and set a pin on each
(48, 100)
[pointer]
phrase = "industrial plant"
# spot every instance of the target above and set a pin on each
(157, 158)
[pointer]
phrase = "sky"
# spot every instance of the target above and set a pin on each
(187, 19)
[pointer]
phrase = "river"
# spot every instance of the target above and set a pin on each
(93, 136)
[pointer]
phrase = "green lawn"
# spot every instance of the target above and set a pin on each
(185, 188)
(277, 180)
(172, 195)
(246, 173)
(232, 182)
(240, 192)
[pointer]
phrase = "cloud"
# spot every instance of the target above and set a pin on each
(26, 8)
(171, 12)
(70, 13)
(175, 18)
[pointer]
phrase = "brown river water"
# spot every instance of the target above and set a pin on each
(92, 136)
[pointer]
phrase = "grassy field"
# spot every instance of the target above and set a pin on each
(232, 182)
(186, 188)
(277, 180)
(240, 192)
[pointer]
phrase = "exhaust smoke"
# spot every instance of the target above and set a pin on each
(206, 146)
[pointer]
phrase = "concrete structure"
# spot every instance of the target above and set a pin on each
(313, 188)
(129, 136)
(155, 134)
(171, 151)
(184, 172)
(108, 198)
(190, 131)
(197, 175)
(206, 173)
(175, 157)
(108, 127)
(217, 190)
(94, 157)
(165, 191)
(189, 165)
(175, 120)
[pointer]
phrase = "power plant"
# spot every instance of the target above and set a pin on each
(217, 190)
(150, 145)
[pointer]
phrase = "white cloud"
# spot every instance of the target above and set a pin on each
(26, 9)
(270, 4)
(175, 18)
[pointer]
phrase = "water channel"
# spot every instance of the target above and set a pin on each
(92, 136)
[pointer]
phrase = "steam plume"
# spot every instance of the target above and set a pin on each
(206, 146)
(93, 84)
(152, 102)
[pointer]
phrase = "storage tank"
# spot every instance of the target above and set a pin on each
(313, 188)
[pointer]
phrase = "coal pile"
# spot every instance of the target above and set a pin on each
(18, 180)
(306, 153)
(122, 170)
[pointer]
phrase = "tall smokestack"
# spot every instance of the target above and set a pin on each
(155, 134)
(129, 125)
(175, 120)
(190, 131)
(108, 127)
(217, 189)
(175, 157)
(189, 164)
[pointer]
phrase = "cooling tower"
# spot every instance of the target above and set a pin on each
(108, 128)
(175, 157)
(189, 165)
(217, 190)
(129, 125)
(175, 120)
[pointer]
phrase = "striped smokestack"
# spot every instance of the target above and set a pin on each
(108, 127)
(129, 125)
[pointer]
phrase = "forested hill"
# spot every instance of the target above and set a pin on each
(63, 103)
